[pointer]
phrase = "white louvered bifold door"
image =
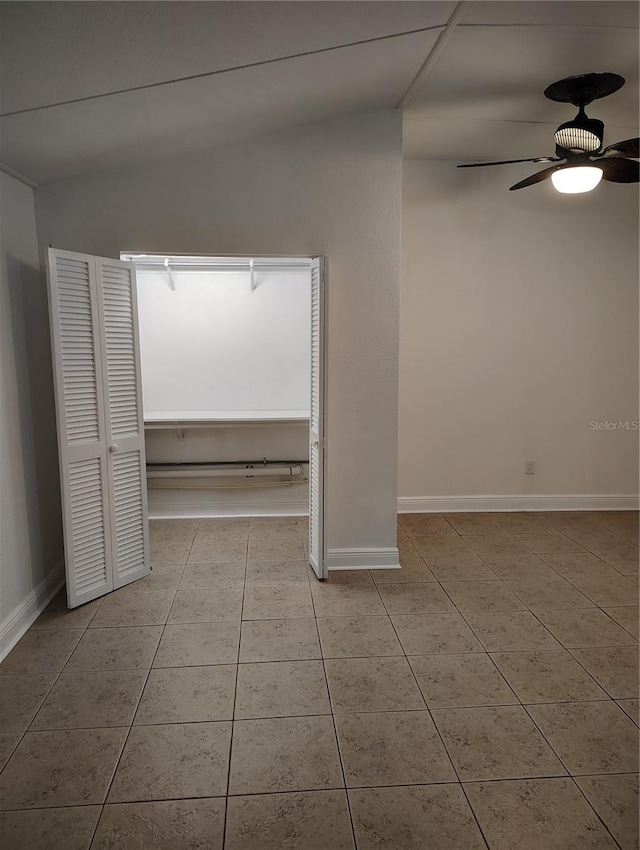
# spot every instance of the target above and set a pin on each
(94, 333)
(82, 438)
(316, 418)
(124, 420)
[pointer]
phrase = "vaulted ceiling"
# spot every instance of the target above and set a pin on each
(89, 85)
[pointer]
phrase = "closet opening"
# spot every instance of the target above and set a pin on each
(233, 385)
(195, 384)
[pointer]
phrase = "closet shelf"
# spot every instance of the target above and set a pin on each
(183, 419)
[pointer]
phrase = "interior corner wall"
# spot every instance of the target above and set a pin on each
(518, 337)
(332, 188)
(30, 522)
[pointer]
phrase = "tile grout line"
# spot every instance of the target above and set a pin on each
(233, 721)
(533, 613)
(569, 775)
(568, 649)
(53, 683)
(235, 693)
(584, 796)
(588, 672)
(438, 708)
(21, 736)
(322, 790)
(550, 649)
(334, 722)
(634, 608)
(139, 700)
(84, 631)
(438, 733)
(539, 556)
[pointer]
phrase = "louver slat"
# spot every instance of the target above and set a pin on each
(128, 514)
(314, 529)
(127, 479)
(119, 320)
(87, 524)
(316, 543)
(79, 394)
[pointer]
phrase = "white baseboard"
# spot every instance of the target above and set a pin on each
(454, 504)
(363, 559)
(24, 614)
(194, 510)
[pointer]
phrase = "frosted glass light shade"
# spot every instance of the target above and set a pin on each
(576, 179)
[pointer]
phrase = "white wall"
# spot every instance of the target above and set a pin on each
(332, 188)
(519, 327)
(30, 530)
(211, 343)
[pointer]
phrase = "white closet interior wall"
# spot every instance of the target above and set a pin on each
(209, 342)
(215, 348)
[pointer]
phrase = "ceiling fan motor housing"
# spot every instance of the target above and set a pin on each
(582, 134)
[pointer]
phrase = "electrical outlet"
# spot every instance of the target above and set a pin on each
(529, 467)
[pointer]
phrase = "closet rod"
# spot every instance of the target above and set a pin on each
(222, 263)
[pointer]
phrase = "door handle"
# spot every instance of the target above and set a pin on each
(113, 448)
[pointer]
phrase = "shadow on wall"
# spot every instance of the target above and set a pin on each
(29, 316)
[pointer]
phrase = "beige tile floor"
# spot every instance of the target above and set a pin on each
(484, 696)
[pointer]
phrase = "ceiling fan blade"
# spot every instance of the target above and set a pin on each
(509, 161)
(619, 170)
(535, 178)
(628, 148)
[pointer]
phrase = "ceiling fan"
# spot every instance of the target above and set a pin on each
(583, 161)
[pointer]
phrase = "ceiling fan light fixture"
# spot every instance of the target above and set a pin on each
(576, 179)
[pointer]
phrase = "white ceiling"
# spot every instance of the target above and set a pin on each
(481, 99)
